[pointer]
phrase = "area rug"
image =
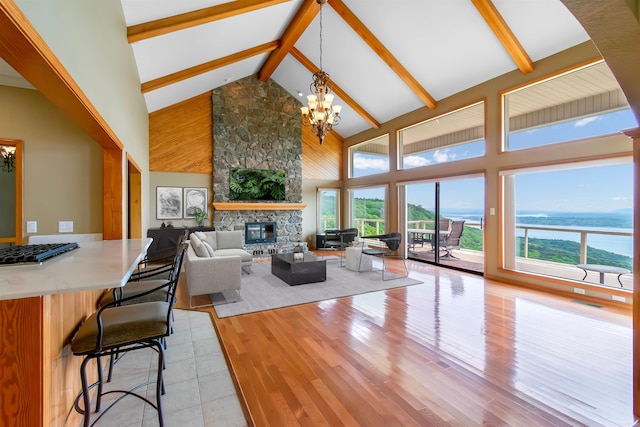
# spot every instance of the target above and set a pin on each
(263, 291)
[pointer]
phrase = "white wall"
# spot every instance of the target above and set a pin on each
(62, 166)
(90, 40)
(174, 179)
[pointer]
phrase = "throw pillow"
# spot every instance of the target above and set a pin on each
(208, 247)
(210, 237)
(198, 247)
(200, 235)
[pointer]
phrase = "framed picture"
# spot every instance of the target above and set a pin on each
(194, 198)
(168, 202)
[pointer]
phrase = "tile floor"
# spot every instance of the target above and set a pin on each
(199, 389)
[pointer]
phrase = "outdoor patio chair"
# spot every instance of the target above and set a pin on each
(445, 229)
(452, 241)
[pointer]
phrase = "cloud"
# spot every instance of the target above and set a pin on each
(415, 161)
(586, 121)
(375, 164)
(620, 199)
(441, 156)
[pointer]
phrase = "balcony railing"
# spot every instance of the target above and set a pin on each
(583, 233)
(525, 263)
(377, 227)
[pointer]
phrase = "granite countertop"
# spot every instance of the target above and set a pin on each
(94, 265)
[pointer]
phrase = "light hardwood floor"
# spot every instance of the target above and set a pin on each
(456, 350)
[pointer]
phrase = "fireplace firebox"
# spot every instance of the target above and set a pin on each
(260, 232)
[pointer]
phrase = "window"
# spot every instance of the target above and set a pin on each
(328, 209)
(569, 214)
(583, 103)
(454, 136)
(368, 207)
(370, 157)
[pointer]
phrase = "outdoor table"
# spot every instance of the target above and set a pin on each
(602, 269)
(423, 235)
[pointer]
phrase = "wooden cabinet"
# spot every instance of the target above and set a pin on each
(165, 239)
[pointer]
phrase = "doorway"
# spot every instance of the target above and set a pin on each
(134, 200)
(11, 177)
(458, 204)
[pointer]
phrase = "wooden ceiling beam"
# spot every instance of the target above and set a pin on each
(24, 49)
(146, 30)
(352, 20)
(308, 10)
(502, 31)
(336, 89)
(208, 66)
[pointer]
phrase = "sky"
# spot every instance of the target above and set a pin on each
(606, 188)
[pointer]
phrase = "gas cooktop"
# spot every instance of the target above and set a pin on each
(33, 254)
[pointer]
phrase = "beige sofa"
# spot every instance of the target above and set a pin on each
(214, 263)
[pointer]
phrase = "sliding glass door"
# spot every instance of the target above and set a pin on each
(456, 238)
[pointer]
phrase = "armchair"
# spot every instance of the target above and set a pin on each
(340, 240)
(389, 246)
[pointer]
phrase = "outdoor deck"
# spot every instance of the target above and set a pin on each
(474, 261)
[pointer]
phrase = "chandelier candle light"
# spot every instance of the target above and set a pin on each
(319, 113)
(7, 158)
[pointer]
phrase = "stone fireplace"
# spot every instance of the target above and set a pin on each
(257, 125)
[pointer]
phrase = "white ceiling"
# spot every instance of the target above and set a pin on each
(10, 77)
(446, 46)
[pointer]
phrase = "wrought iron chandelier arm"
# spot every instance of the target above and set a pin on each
(319, 112)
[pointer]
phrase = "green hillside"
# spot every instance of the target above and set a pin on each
(567, 252)
(562, 251)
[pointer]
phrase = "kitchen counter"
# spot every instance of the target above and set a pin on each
(94, 265)
(41, 307)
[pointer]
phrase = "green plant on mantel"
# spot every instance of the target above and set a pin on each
(201, 215)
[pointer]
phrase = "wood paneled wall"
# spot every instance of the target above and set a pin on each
(21, 375)
(180, 137)
(63, 314)
(40, 377)
(181, 140)
(321, 161)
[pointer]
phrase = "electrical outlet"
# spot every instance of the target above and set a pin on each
(618, 298)
(579, 291)
(65, 226)
(32, 226)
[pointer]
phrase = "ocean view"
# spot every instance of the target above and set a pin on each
(617, 221)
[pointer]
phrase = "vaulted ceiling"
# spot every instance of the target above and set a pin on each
(385, 58)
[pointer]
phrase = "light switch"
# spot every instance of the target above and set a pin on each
(65, 226)
(492, 211)
(32, 226)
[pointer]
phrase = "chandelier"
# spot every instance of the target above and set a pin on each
(319, 113)
(7, 158)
